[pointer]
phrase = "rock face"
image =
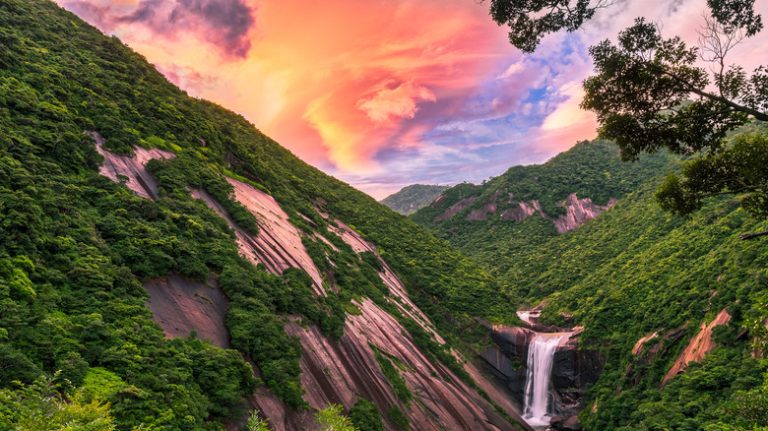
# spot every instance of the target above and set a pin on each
(577, 211)
(701, 344)
(182, 306)
(278, 241)
(131, 168)
(332, 372)
(341, 372)
(456, 208)
(572, 370)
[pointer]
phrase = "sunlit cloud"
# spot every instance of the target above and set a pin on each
(383, 94)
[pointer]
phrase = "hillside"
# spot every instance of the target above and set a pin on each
(509, 216)
(413, 198)
(673, 307)
(136, 221)
(658, 294)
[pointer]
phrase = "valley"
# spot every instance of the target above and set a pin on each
(164, 265)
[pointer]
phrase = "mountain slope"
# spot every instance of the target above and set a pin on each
(675, 306)
(413, 198)
(117, 189)
(512, 214)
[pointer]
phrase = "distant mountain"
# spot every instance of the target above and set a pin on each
(413, 198)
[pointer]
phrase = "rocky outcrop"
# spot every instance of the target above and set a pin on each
(388, 277)
(522, 211)
(341, 372)
(279, 240)
(456, 208)
(130, 169)
(182, 307)
(579, 211)
(701, 344)
(642, 341)
(278, 243)
(572, 371)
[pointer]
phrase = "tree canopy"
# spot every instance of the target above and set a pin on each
(652, 92)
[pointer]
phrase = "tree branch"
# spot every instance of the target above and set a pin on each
(741, 108)
(754, 235)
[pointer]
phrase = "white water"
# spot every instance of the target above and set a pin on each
(541, 354)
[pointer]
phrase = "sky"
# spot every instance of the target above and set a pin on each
(387, 93)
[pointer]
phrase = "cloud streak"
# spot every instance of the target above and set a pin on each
(385, 93)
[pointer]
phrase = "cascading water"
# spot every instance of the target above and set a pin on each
(541, 354)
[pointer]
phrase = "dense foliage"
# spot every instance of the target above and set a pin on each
(413, 198)
(636, 270)
(590, 169)
(75, 247)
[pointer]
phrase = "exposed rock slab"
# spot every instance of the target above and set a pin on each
(389, 278)
(456, 208)
(701, 344)
(638, 347)
(132, 169)
(340, 372)
(182, 306)
(578, 212)
(278, 243)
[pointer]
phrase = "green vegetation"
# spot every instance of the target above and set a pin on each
(637, 269)
(398, 418)
(590, 169)
(332, 419)
(366, 416)
(392, 373)
(413, 198)
(256, 423)
(75, 247)
(41, 406)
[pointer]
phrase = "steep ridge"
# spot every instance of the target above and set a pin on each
(339, 372)
(226, 203)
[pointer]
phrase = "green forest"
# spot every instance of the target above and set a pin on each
(80, 351)
(76, 247)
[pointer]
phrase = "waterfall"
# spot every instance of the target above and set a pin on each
(541, 354)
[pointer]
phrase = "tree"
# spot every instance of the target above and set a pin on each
(332, 419)
(651, 93)
(530, 20)
(256, 423)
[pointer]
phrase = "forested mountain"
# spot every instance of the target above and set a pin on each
(119, 191)
(643, 283)
(166, 266)
(674, 306)
(413, 198)
(511, 215)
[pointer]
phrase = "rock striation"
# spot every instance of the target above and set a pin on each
(130, 169)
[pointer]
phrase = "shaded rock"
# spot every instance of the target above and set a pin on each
(182, 306)
(456, 208)
(566, 423)
(578, 212)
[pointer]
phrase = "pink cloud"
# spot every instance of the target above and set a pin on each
(391, 104)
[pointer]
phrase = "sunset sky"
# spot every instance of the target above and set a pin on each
(386, 93)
